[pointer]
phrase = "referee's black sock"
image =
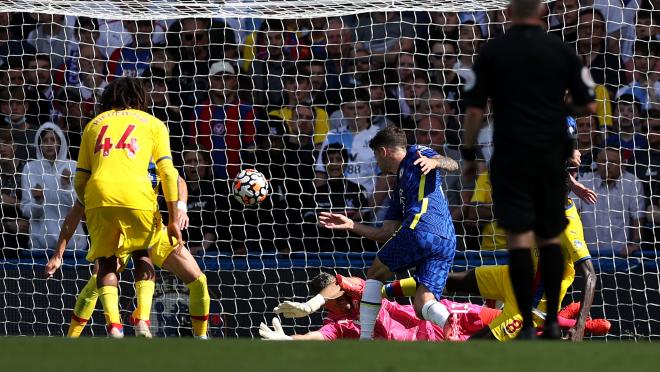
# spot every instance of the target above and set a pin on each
(521, 271)
(551, 264)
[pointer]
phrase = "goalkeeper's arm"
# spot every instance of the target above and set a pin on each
(69, 226)
(277, 333)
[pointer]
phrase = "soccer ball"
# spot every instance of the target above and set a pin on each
(250, 187)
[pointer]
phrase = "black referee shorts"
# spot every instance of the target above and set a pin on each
(529, 193)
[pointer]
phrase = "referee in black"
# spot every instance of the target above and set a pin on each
(526, 73)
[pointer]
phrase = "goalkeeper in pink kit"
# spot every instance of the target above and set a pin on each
(340, 296)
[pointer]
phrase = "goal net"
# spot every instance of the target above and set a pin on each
(295, 89)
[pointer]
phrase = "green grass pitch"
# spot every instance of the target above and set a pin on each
(187, 355)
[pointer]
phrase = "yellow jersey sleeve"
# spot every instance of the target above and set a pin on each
(482, 190)
(163, 159)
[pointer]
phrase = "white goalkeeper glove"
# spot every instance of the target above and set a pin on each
(291, 309)
(275, 334)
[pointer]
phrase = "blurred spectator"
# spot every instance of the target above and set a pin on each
(386, 32)
(629, 137)
(443, 59)
(565, 19)
(444, 26)
(161, 107)
(15, 228)
(356, 106)
(10, 46)
(47, 190)
(14, 108)
(74, 115)
(201, 234)
(189, 43)
(338, 195)
(322, 94)
(497, 23)
(354, 134)
(298, 91)
(37, 75)
(268, 69)
(223, 124)
(470, 38)
(647, 170)
(605, 67)
(50, 36)
(645, 86)
(589, 142)
(133, 59)
(87, 72)
(611, 226)
(337, 53)
(619, 21)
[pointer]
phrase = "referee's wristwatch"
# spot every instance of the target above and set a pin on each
(469, 154)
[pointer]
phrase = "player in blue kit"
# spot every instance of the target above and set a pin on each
(418, 230)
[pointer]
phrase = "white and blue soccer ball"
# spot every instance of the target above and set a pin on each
(250, 187)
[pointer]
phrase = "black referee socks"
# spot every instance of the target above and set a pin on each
(551, 264)
(521, 271)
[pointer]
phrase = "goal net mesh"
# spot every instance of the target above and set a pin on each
(295, 89)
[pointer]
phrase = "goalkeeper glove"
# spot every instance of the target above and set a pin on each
(275, 334)
(351, 285)
(291, 309)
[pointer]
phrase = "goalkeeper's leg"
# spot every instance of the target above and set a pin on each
(84, 308)
(145, 283)
(183, 265)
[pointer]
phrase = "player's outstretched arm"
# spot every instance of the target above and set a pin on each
(437, 162)
(277, 333)
(69, 225)
(336, 221)
(586, 269)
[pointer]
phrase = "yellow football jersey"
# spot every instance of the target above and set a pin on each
(116, 148)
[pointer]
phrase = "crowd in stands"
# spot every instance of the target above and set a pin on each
(299, 100)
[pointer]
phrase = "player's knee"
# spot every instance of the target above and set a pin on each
(378, 271)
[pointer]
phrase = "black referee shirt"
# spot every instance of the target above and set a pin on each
(526, 73)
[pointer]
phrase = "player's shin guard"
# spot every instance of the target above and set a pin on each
(199, 305)
(435, 312)
(144, 292)
(551, 264)
(521, 271)
(109, 296)
(84, 308)
(369, 308)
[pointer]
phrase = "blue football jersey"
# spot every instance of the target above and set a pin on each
(419, 202)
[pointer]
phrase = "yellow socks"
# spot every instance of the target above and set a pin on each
(199, 305)
(85, 304)
(109, 296)
(144, 291)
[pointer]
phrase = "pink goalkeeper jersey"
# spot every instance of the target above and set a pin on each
(399, 322)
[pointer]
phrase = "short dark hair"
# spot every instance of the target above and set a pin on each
(124, 93)
(334, 148)
(6, 136)
(525, 8)
(320, 282)
(390, 136)
(593, 11)
(87, 23)
(12, 92)
(350, 95)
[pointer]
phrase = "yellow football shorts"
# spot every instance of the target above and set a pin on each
(118, 231)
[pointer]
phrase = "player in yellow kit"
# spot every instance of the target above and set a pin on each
(117, 146)
(493, 282)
